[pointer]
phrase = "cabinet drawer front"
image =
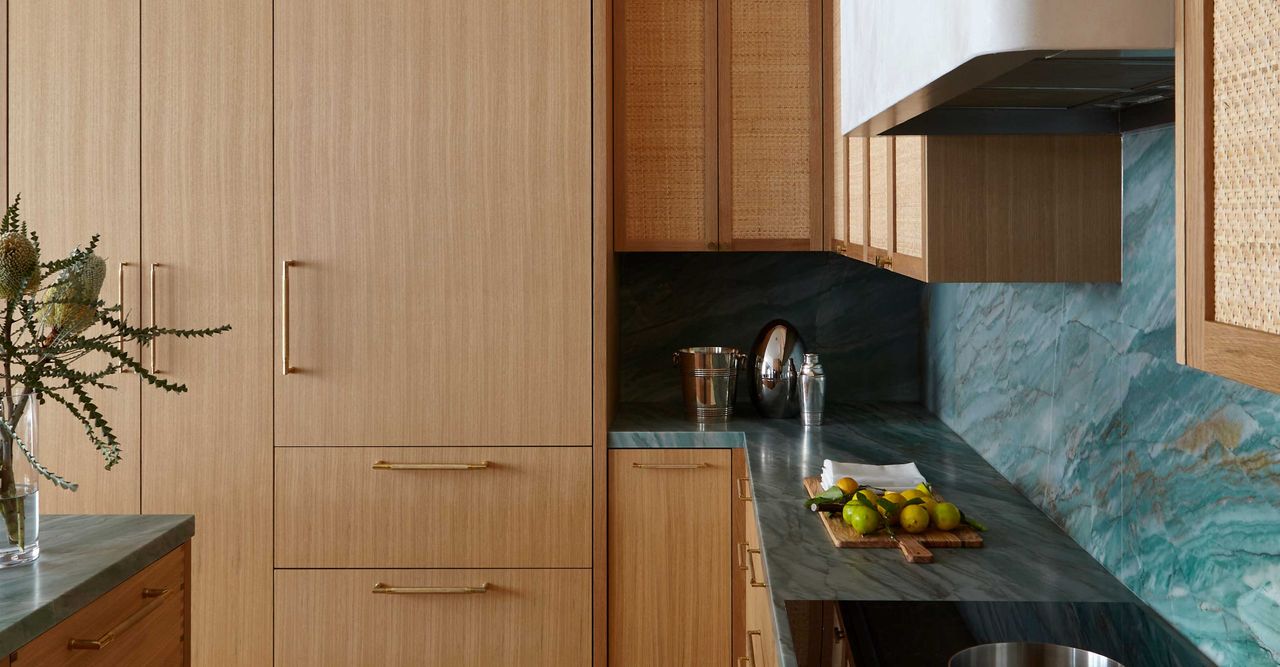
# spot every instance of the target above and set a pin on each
(156, 635)
(528, 507)
(525, 617)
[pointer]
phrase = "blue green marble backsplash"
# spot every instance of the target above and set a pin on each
(1169, 476)
(866, 323)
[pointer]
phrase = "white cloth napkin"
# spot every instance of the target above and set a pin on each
(895, 477)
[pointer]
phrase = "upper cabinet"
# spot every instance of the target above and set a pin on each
(1000, 208)
(1229, 216)
(718, 125)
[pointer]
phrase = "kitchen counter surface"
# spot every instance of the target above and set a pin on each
(81, 557)
(1026, 557)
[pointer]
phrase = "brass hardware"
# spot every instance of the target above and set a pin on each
(744, 661)
(751, 647)
(883, 260)
(387, 465)
(384, 589)
(742, 556)
(152, 344)
(712, 245)
(157, 595)
(285, 368)
(751, 565)
(120, 300)
(669, 466)
(744, 496)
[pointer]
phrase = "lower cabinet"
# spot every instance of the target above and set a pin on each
(686, 583)
(143, 622)
(432, 617)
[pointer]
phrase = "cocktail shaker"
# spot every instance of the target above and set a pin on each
(813, 391)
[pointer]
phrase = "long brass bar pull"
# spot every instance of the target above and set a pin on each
(154, 319)
(751, 566)
(669, 466)
(157, 596)
(744, 489)
(387, 465)
(751, 645)
(120, 300)
(285, 367)
(383, 589)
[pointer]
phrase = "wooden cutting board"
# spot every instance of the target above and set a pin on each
(915, 548)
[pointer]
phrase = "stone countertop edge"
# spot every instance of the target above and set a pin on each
(82, 556)
(1026, 556)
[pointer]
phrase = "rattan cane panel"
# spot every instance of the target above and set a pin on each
(857, 156)
(1246, 169)
(772, 118)
(878, 193)
(664, 120)
(908, 195)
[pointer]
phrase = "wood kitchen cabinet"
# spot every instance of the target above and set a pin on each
(992, 208)
(1228, 72)
(718, 125)
(759, 641)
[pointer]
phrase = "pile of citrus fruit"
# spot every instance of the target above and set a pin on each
(868, 510)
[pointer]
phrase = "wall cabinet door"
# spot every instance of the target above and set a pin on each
(669, 557)
(1229, 219)
(853, 228)
(74, 158)
(206, 239)
(432, 182)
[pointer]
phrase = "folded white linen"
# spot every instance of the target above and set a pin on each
(895, 477)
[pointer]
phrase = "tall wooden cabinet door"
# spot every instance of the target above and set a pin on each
(669, 557)
(857, 196)
(433, 216)
(879, 163)
(771, 125)
(206, 235)
(909, 207)
(73, 156)
(1228, 136)
(665, 125)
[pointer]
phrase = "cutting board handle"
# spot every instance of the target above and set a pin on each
(912, 550)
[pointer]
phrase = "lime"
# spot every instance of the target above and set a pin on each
(914, 518)
(847, 484)
(946, 516)
(861, 518)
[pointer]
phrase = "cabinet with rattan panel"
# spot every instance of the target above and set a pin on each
(987, 208)
(718, 121)
(1228, 74)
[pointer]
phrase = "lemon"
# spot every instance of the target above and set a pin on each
(867, 493)
(929, 504)
(847, 484)
(914, 518)
(912, 493)
(891, 517)
(861, 518)
(924, 488)
(946, 516)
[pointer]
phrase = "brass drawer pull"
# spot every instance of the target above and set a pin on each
(742, 556)
(751, 646)
(285, 366)
(384, 589)
(744, 490)
(124, 315)
(154, 319)
(387, 465)
(157, 595)
(751, 565)
(670, 466)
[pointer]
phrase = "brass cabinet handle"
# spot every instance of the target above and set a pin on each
(746, 495)
(744, 661)
(387, 465)
(670, 466)
(157, 596)
(751, 646)
(383, 589)
(883, 261)
(154, 319)
(742, 555)
(285, 367)
(751, 565)
(712, 245)
(120, 300)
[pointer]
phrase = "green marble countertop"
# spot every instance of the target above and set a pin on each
(82, 556)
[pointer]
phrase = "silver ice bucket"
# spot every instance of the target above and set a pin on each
(709, 382)
(1023, 654)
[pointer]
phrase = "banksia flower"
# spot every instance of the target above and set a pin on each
(72, 303)
(19, 265)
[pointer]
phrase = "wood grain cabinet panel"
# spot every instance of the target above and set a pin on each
(479, 507)
(669, 567)
(523, 617)
(761, 637)
(1228, 72)
(995, 208)
(433, 189)
(73, 155)
(206, 224)
(145, 617)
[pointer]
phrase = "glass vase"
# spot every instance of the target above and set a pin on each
(19, 482)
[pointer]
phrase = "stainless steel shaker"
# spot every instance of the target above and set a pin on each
(813, 391)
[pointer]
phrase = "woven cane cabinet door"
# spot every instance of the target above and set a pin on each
(1229, 189)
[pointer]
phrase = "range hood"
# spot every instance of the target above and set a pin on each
(1004, 66)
